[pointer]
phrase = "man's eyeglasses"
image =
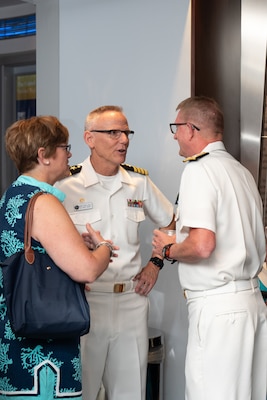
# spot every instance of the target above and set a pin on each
(174, 127)
(115, 133)
(67, 147)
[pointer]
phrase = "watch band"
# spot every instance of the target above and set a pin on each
(166, 252)
(157, 261)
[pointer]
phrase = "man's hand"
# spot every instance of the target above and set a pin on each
(146, 279)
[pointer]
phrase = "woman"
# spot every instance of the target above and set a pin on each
(43, 369)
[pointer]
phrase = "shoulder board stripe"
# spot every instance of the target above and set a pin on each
(195, 157)
(139, 170)
(75, 169)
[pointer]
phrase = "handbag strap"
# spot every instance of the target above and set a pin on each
(28, 251)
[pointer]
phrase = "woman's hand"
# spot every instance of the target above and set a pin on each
(92, 238)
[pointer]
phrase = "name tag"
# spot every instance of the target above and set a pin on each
(83, 206)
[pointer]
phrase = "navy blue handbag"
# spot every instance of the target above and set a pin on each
(42, 300)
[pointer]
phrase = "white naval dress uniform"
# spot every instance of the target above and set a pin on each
(116, 347)
(227, 339)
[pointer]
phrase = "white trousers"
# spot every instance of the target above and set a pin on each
(227, 347)
(116, 349)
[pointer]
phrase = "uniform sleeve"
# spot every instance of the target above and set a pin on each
(156, 206)
(198, 199)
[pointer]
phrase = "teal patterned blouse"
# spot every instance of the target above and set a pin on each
(31, 368)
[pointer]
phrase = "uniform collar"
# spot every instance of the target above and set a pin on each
(214, 146)
(91, 178)
(126, 177)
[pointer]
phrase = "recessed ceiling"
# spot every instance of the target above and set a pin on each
(8, 3)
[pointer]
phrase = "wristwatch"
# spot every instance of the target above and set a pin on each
(166, 252)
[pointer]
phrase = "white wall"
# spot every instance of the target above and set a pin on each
(135, 54)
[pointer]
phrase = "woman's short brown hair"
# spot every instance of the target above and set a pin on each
(24, 138)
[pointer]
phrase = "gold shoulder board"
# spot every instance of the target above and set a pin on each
(141, 171)
(75, 169)
(195, 157)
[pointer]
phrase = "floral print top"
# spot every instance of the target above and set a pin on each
(31, 368)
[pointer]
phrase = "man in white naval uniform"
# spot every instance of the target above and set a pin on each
(220, 249)
(115, 199)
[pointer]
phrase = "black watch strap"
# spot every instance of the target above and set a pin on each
(157, 261)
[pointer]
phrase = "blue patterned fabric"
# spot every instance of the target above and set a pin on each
(39, 369)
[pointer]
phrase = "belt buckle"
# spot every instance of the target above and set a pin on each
(119, 288)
